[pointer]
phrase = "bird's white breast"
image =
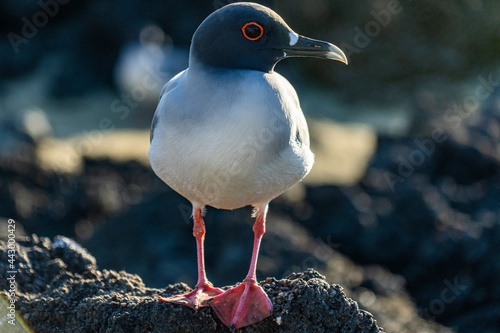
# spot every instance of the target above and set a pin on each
(229, 139)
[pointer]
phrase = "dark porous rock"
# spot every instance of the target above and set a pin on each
(428, 210)
(49, 203)
(130, 220)
(307, 294)
(59, 288)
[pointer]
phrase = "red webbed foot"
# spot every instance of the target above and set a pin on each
(197, 298)
(242, 305)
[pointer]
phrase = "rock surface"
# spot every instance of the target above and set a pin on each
(59, 288)
(427, 209)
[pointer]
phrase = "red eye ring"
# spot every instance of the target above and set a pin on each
(252, 24)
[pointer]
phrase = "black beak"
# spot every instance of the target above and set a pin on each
(301, 46)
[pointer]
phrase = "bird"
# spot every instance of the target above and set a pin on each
(229, 132)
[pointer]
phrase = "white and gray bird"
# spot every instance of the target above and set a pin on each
(229, 132)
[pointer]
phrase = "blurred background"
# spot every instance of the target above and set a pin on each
(402, 207)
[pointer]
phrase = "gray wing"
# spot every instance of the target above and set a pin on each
(302, 131)
(301, 135)
(166, 88)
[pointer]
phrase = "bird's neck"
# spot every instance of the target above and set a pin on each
(198, 65)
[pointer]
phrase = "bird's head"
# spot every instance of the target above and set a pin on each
(250, 36)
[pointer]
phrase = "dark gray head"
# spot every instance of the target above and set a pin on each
(247, 35)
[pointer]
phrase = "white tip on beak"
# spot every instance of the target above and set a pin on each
(294, 38)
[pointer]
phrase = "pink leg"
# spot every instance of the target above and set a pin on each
(204, 290)
(247, 303)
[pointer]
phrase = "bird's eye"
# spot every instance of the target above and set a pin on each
(252, 31)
